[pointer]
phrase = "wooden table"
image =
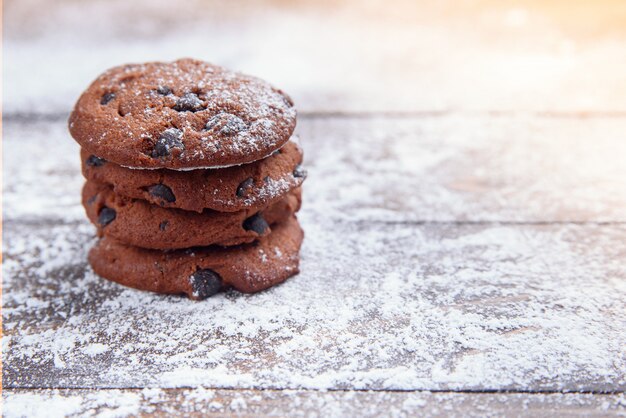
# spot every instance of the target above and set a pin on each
(465, 216)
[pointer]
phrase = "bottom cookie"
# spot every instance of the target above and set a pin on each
(203, 271)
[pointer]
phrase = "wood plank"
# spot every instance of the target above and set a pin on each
(446, 250)
(377, 306)
(459, 167)
(385, 300)
(254, 403)
(478, 55)
(446, 168)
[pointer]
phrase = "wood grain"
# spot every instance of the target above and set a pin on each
(439, 168)
(395, 306)
(254, 403)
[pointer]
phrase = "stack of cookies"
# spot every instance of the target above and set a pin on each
(193, 178)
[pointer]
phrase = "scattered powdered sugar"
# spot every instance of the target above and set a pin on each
(201, 394)
(42, 172)
(393, 307)
(270, 189)
(275, 187)
(461, 167)
(133, 402)
(238, 404)
(443, 168)
(36, 405)
(383, 301)
(52, 404)
(95, 349)
(201, 114)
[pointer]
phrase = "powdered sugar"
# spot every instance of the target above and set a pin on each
(307, 403)
(95, 349)
(394, 307)
(382, 302)
(54, 404)
(445, 168)
(293, 139)
(304, 403)
(406, 281)
(205, 116)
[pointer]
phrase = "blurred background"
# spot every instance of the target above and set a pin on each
(335, 56)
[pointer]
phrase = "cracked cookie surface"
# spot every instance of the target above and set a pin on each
(248, 186)
(137, 222)
(201, 272)
(181, 115)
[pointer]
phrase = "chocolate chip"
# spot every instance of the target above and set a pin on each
(213, 121)
(163, 225)
(188, 103)
(256, 223)
(243, 187)
(299, 171)
(226, 124)
(94, 161)
(205, 283)
(233, 126)
(107, 215)
(106, 98)
(164, 90)
(170, 138)
(287, 100)
(161, 191)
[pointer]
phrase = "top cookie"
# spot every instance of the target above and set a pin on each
(185, 114)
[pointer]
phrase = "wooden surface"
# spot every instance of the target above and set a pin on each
(465, 216)
(253, 403)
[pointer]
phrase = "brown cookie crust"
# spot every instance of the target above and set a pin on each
(248, 186)
(184, 114)
(201, 272)
(139, 223)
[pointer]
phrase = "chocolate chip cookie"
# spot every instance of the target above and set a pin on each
(185, 114)
(248, 186)
(202, 272)
(137, 222)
